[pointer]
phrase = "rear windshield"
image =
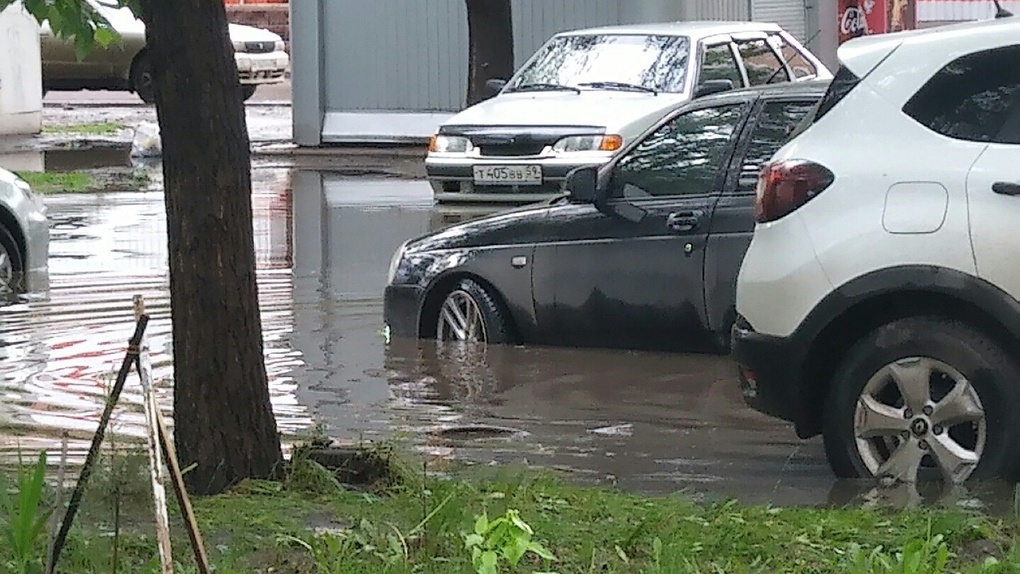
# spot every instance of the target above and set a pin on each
(655, 62)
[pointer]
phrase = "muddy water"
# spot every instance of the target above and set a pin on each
(648, 422)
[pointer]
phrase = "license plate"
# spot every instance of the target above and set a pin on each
(508, 174)
(263, 65)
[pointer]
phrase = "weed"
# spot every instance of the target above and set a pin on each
(25, 519)
(508, 537)
(95, 128)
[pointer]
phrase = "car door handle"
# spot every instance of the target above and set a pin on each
(1006, 188)
(684, 220)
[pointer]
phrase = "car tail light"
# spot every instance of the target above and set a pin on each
(786, 185)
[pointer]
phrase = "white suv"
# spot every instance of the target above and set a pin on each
(878, 301)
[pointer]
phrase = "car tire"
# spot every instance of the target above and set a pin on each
(467, 295)
(898, 355)
(12, 266)
(141, 78)
(247, 91)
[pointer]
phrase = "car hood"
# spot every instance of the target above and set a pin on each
(613, 110)
(507, 227)
(242, 33)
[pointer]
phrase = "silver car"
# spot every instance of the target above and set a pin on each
(24, 238)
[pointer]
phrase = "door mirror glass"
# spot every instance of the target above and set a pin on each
(495, 85)
(709, 87)
(582, 184)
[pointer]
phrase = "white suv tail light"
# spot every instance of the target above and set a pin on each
(786, 185)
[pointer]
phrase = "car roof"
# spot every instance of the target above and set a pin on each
(694, 28)
(772, 90)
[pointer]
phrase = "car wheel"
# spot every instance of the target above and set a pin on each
(141, 78)
(11, 266)
(920, 398)
(247, 91)
(469, 313)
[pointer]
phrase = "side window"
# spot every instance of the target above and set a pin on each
(970, 97)
(685, 156)
(773, 129)
(799, 64)
(762, 64)
(719, 64)
(1010, 132)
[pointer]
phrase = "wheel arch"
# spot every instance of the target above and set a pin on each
(10, 223)
(866, 303)
(442, 285)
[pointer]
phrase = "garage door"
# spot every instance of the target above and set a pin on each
(790, 14)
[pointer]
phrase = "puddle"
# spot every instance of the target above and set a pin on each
(647, 422)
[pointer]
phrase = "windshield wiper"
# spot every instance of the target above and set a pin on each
(620, 86)
(545, 87)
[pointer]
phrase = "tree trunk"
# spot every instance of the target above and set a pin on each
(490, 45)
(223, 418)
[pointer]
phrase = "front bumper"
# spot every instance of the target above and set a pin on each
(268, 68)
(401, 309)
(768, 370)
(452, 178)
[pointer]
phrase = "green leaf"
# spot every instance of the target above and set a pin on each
(481, 524)
(488, 563)
(515, 549)
(515, 517)
(472, 540)
(104, 36)
(541, 551)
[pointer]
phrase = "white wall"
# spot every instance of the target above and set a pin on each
(20, 73)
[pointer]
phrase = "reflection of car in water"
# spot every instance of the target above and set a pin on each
(125, 65)
(586, 94)
(652, 264)
(24, 237)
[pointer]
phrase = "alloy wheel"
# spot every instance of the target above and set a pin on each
(460, 319)
(919, 412)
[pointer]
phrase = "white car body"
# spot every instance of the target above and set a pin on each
(885, 235)
(537, 116)
(23, 217)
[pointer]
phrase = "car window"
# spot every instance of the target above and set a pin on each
(1010, 132)
(970, 97)
(683, 157)
(774, 127)
(794, 58)
(655, 62)
(761, 62)
(718, 63)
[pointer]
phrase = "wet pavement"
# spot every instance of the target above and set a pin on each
(653, 423)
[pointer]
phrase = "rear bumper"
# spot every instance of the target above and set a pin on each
(768, 370)
(401, 308)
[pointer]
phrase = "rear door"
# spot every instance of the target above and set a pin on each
(639, 285)
(773, 120)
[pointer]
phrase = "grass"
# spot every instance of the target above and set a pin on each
(419, 525)
(92, 129)
(48, 183)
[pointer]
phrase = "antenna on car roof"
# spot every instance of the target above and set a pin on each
(1001, 12)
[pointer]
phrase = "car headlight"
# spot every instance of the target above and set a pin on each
(239, 46)
(395, 263)
(610, 142)
(450, 144)
(280, 46)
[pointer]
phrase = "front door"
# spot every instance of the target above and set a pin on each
(639, 285)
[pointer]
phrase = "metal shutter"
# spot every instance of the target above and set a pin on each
(790, 14)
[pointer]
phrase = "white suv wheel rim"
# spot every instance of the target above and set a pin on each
(900, 425)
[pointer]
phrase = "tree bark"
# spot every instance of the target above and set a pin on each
(490, 45)
(223, 418)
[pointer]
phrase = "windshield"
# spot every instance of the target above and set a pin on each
(655, 63)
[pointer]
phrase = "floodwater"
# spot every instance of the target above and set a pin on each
(652, 423)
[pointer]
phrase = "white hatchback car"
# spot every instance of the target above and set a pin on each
(879, 301)
(24, 238)
(586, 94)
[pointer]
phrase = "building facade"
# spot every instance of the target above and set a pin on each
(20, 75)
(393, 70)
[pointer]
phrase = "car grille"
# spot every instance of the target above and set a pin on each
(511, 150)
(259, 47)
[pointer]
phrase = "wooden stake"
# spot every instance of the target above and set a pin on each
(194, 534)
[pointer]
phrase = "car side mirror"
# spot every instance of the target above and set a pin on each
(495, 85)
(709, 87)
(582, 184)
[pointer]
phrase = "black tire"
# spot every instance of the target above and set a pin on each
(992, 374)
(247, 91)
(497, 329)
(10, 247)
(141, 77)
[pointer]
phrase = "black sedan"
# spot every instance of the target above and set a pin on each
(642, 253)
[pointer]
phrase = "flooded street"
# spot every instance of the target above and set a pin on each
(654, 423)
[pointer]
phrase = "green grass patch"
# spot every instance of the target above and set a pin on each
(47, 183)
(92, 129)
(514, 521)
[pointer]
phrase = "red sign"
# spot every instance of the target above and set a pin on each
(865, 17)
